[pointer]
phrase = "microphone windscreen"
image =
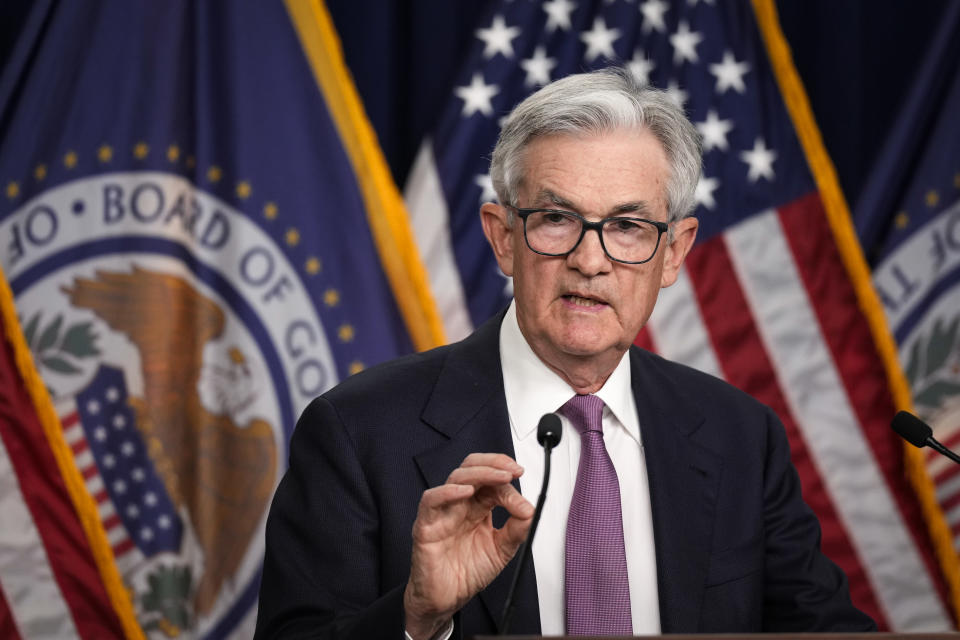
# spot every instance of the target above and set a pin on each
(549, 430)
(911, 428)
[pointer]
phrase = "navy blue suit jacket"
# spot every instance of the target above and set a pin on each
(737, 549)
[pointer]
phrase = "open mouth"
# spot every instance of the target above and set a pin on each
(580, 301)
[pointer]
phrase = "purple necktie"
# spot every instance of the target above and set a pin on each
(597, 591)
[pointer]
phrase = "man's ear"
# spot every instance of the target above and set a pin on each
(684, 233)
(497, 228)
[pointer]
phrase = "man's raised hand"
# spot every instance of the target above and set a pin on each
(456, 550)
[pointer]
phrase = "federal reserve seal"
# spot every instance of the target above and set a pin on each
(179, 344)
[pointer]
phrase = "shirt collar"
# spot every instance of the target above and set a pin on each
(533, 389)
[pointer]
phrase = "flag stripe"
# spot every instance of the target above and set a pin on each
(848, 339)
(644, 340)
(746, 365)
(431, 224)
(778, 300)
(124, 547)
(27, 579)
(678, 329)
(8, 629)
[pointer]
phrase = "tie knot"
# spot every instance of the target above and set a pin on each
(585, 412)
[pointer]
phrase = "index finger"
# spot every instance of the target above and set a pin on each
(495, 460)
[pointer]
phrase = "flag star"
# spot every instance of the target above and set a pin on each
(558, 14)
(538, 67)
(477, 96)
(119, 422)
(714, 132)
(100, 433)
(163, 521)
(599, 40)
(146, 534)
(498, 38)
(138, 474)
(120, 487)
(653, 11)
(486, 184)
(677, 95)
(685, 44)
(93, 407)
(760, 160)
(641, 67)
(150, 499)
(113, 394)
(109, 461)
(133, 511)
(729, 73)
(704, 192)
(128, 449)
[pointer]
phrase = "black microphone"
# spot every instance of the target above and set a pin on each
(919, 434)
(548, 435)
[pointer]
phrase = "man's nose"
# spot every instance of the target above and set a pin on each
(589, 258)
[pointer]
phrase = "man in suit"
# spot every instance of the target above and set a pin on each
(673, 503)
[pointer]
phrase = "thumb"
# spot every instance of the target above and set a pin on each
(514, 531)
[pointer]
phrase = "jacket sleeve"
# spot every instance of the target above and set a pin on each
(804, 591)
(322, 560)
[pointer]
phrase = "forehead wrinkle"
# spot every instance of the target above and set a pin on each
(548, 196)
(635, 206)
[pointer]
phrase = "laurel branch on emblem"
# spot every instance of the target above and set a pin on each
(58, 348)
(934, 375)
(167, 600)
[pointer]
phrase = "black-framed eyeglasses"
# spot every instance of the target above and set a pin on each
(555, 232)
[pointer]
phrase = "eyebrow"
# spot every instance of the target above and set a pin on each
(637, 206)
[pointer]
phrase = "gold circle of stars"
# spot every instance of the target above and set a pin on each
(313, 265)
(346, 333)
(932, 198)
(901, 220)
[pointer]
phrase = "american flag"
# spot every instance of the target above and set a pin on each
(766, 299)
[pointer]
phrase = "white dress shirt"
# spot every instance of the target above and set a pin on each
(532, 389)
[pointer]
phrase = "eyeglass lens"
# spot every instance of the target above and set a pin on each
(626, 239)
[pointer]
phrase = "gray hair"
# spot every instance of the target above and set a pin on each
(605, 100)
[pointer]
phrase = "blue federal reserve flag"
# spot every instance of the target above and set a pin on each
(908, 220)
(201, 237)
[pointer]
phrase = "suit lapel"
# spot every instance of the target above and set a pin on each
(684, 477)
(468, 406)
